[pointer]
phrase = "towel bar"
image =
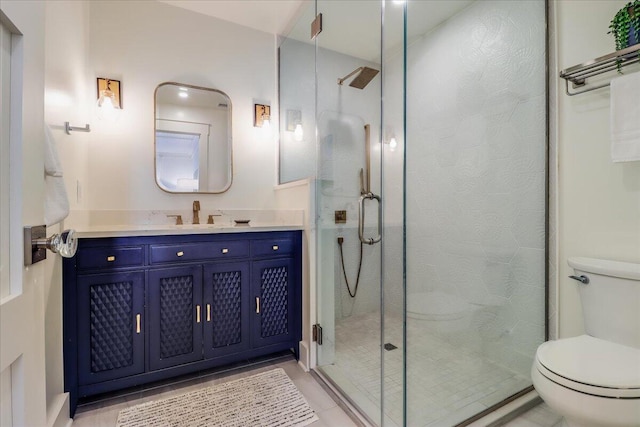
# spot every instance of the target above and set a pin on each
(579, 74)
(68, 128)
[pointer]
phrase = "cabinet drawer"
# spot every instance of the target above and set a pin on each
(198, 251)
(276, 246)
(109, 257)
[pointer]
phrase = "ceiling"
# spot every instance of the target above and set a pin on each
(351, 27)
(271, 16)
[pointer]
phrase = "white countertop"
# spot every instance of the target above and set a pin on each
(164, 230)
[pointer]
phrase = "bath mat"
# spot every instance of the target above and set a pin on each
(266, 399)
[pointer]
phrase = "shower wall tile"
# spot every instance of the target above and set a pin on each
(528, 267)
(529, 303)
(529, 228)
(499, 279)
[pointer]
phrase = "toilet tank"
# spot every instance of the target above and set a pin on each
(611, 299)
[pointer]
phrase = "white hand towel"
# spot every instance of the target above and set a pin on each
(625, 118)
(56, 203)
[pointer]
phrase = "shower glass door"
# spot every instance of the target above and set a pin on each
(347, 208)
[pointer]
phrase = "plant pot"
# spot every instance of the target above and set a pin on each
(633, 39)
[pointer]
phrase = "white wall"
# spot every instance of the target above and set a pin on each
(181, 46)
(599, 201)
(65, 93)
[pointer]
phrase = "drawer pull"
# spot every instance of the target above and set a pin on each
(225, 250)
(208, 312)
(138, 323)
(258, 305)
(111, 258)
(180, 253)
(275, 247)
(197, 314)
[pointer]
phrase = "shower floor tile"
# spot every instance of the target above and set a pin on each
(446, 383)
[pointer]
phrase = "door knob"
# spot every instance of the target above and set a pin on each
(36, 244)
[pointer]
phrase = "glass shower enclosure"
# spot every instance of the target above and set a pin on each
(431, 195)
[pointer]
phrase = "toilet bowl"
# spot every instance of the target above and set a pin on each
(593, 380)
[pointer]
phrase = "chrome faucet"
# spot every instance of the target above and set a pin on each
(196, 209)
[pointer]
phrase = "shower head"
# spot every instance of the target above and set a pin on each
(365, 75)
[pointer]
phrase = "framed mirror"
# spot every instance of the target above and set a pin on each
(193, 143)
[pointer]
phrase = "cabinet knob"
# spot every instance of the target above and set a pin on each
(275, 247)
(225, 250)
(180, 253)
(111, 258)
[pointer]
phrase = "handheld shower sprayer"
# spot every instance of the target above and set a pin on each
(344, 272)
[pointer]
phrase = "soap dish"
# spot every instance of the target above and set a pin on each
(241, 221)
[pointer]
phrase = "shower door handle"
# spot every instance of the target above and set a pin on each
(361, 208)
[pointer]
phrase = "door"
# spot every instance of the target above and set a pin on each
(22, 345)
(273, 311)
(110, 326)
(349, 199)
(174, 296)
(226, 308)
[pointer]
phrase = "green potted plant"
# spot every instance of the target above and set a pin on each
(625, 26)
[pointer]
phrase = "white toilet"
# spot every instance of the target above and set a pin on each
(594, 379)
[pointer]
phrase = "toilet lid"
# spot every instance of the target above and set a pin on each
(592, 361)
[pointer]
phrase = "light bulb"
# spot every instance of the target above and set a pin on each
(183, 94)
(107, 105)
(393, 144)
(298, 133)
(107, 99)
(266, 122)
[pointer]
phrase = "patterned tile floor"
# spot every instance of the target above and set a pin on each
(446, 384)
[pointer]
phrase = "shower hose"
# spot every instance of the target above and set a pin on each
(344, 272)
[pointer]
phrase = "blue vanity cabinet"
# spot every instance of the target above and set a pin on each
(273, 319)
(143, 309)
(174, 299)
(226, 309)
(110, 328)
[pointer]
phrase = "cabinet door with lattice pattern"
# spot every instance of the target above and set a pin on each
(175, 315)
(226, 308)
(110, 318)
(272, 288)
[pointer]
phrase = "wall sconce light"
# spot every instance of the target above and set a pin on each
(298, 133)
(262, 117)
(393, 144)
(109, 97)
(294, 124)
